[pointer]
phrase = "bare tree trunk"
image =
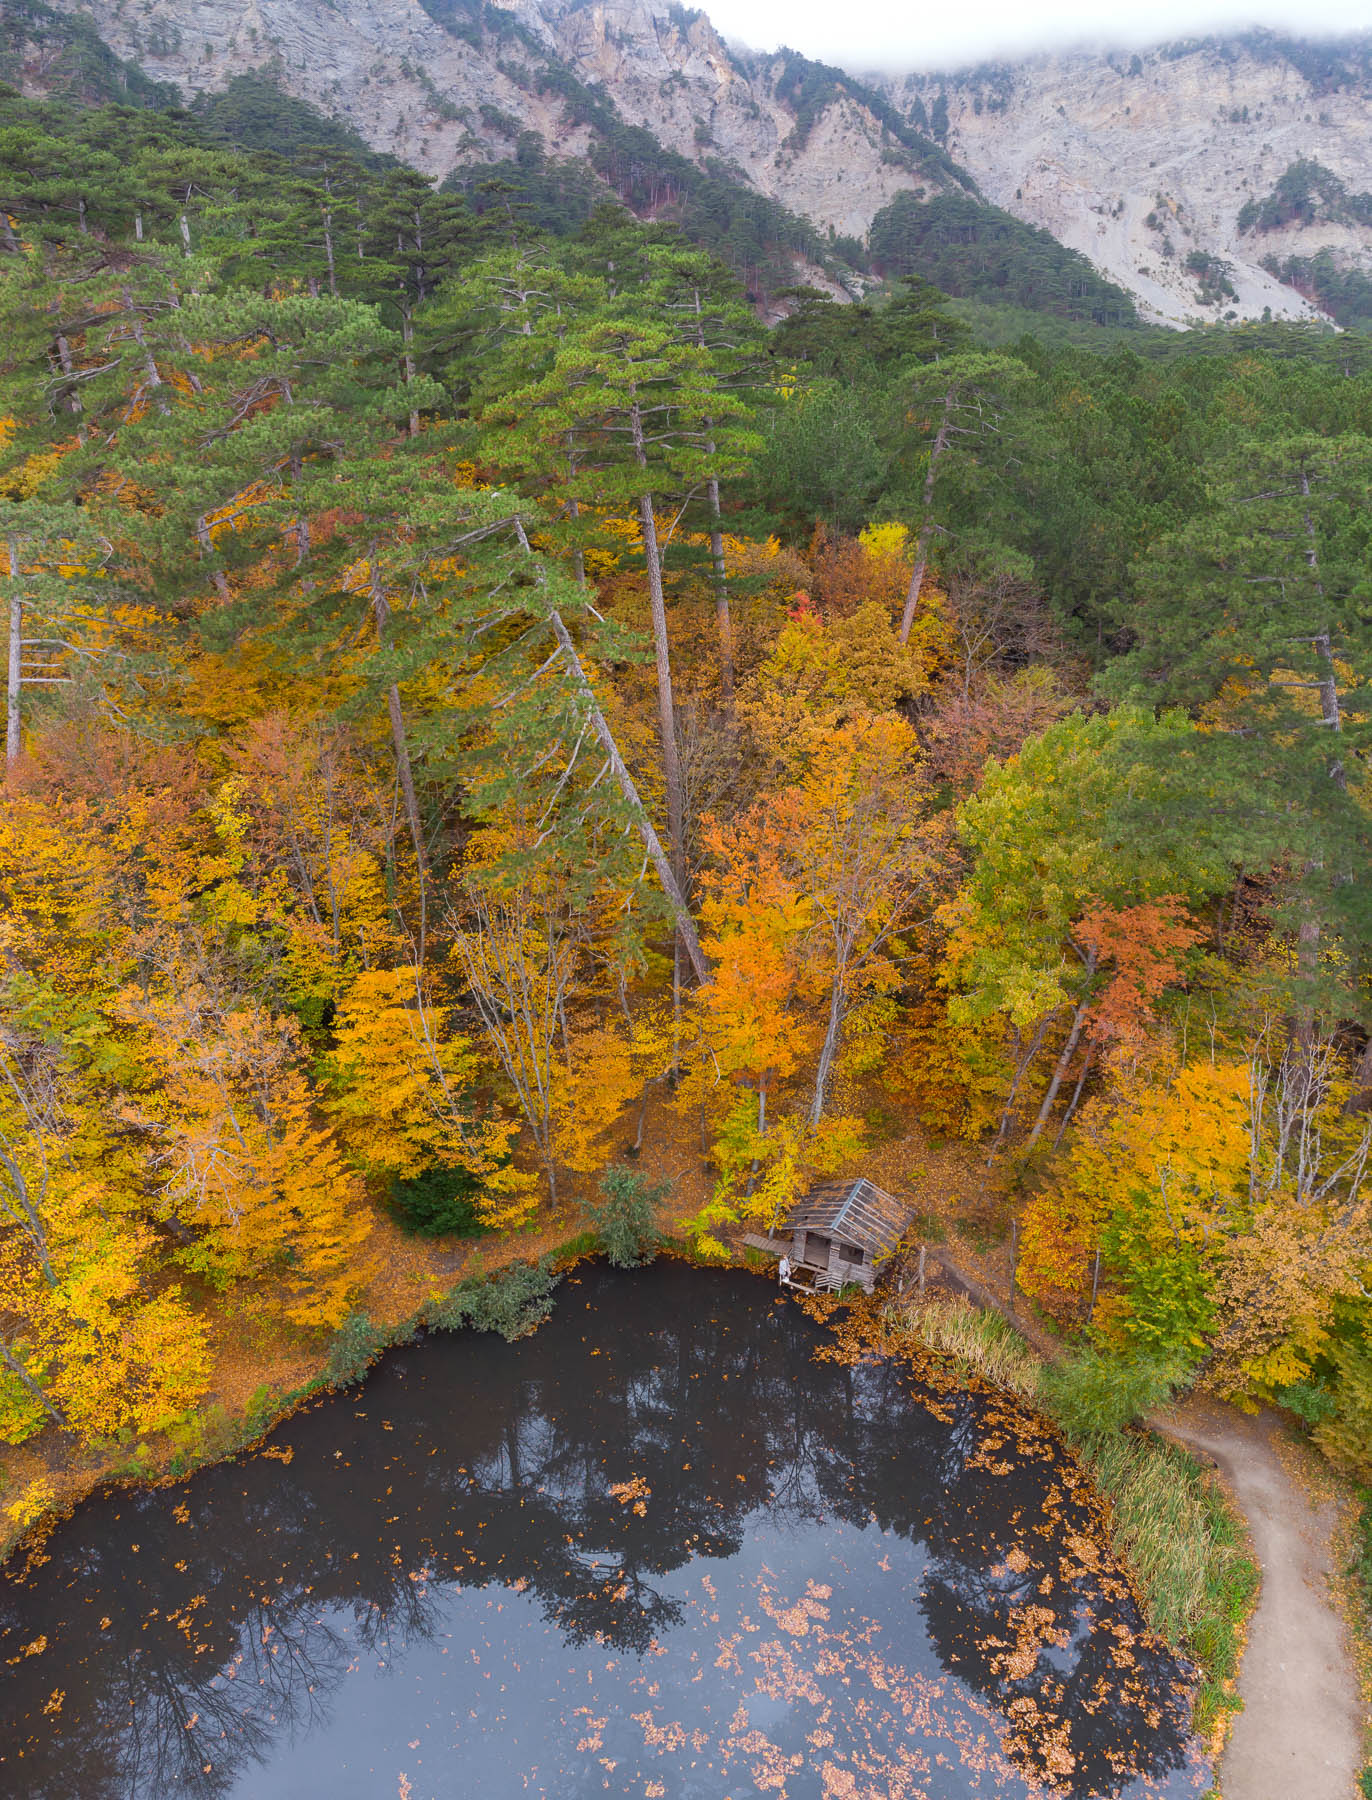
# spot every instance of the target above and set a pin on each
(21, 1375)
(829, 1049)
(1064, 1062)
(1086, 1063)
(149, 360)
(685, 924)
(328, 251)
(14, 678)
(1308, 936)
(940, 444)
(1008, 1110)
(666, 708)
(407, 338)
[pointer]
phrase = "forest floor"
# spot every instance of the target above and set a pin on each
(1302, 1726)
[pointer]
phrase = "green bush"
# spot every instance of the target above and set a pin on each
(513, 1302)
(437, 1203)
(1309, 1402)
(1091, 1395)
(1346, 1434)
(353, 1351)
(627, 1218)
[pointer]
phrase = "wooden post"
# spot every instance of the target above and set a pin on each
(921, 1271)
(1014, 1259)
(1095, 1287)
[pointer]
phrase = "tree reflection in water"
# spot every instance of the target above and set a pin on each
(715, 1566)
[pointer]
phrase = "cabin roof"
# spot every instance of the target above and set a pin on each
(855, 1212)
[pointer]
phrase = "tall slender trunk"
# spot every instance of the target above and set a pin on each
(1309, 934)
(1022, 1068)
(22, 1376)
(149, 360)
(676, 899)
(829, 1050)
(940, 444)
(64, 358)
(328, 251)
(382, 613)
(1064, 1062)
(666, 709)
(722, 620)
(205, 539)
(14, 677)
(1086, 1063)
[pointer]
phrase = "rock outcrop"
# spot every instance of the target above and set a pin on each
(1140, 161)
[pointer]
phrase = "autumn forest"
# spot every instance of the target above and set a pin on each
(476, 686)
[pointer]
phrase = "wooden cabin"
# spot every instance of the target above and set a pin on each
(842, 1231)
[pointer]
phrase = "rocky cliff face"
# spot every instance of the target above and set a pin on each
(436, 95)
(1139, 162)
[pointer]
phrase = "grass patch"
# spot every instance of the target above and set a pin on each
(982, 1232)
(927, 1228)
(1171, 1525)
(979, 1343)
(1169, 1522)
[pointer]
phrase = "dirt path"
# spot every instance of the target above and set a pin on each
(1300, 1730)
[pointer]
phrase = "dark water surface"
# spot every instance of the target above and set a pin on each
(655, 1550)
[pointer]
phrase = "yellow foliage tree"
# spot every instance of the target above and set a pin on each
(400, 1092)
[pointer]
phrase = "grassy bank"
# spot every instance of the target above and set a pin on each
(505, 1286)
(1169, 1521)
(511, 1298)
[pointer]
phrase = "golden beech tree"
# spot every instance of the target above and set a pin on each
(819, 678)
(1175, 1151)
(317, 824)
(92, 1334)
(1308, 1242)
(401, 1086)
(805, 898)
(517, 939)
(244, 1171)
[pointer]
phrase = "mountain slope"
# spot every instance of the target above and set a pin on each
(1144, 161)
(462, 79)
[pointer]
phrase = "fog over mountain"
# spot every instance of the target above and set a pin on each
(872, 36)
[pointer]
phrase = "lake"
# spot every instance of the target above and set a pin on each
(658, 1549)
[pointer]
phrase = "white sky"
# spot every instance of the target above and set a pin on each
(866, 34)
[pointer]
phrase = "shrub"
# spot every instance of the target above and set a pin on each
(437, 1203)
(1347, 1433)
(514, 1302)
(1091, 1395)
(355, 1348)
(627, 1218)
